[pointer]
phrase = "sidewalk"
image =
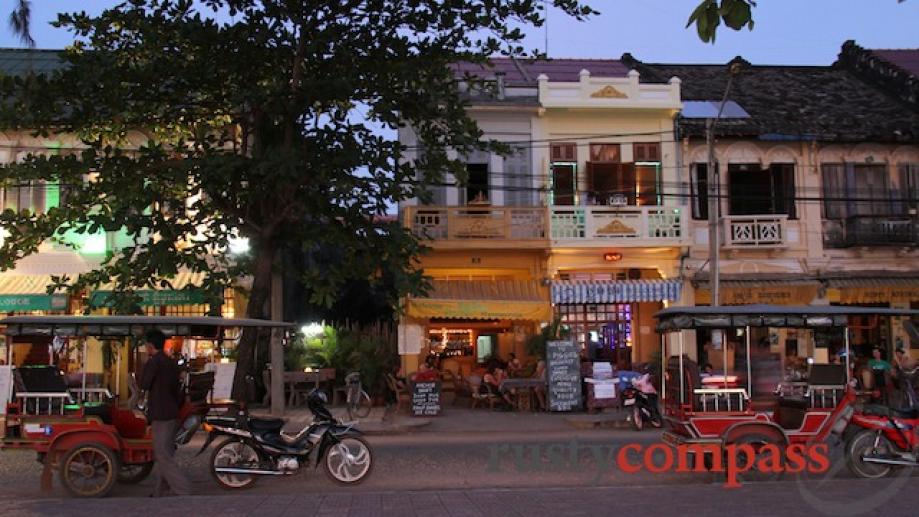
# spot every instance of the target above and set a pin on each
(461, 420)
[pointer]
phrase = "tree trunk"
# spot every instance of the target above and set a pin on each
(256, 308)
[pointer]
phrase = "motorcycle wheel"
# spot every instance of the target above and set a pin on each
(862, 444)
(131, 474)
(349, 461)
(234, 453)
(637, 419)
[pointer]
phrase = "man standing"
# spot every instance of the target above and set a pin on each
(161, 381)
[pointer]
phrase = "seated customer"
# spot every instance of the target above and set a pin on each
(491, 384)
(425, 374)
(514, 367)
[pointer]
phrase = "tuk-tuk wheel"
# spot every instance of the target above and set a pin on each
(89, 470)
(131, 474)
(757, 441)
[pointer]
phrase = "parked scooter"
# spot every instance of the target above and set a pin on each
(882, 439)
(641, 397)
(258, 447)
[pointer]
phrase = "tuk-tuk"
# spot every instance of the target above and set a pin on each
(94, 443)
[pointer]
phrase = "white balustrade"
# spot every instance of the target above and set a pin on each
(755, 231)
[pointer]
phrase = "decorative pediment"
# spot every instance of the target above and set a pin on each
(615, 227)
(608, 92)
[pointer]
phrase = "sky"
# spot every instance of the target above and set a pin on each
(793, 32)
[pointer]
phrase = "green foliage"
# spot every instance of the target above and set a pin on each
(271, 125)
(536, 345)
(736, 14)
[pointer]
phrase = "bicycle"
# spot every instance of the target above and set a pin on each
(357, 401)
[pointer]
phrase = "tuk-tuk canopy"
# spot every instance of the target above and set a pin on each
(122, 326)
(738, 316)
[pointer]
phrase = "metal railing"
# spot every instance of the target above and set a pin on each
(91, 394)
(871, 230)
(43, 403)
(733, 399)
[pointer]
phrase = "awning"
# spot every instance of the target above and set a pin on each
(873, 289)
(761, 291)
(29, 293)
(483, 299)
(182, 293)
(616, 291)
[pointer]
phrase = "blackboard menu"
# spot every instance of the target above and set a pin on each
(563, 368)
(426, 398)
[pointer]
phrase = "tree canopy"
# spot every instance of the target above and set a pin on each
(260, 119)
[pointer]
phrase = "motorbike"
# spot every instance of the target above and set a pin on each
(881, 439)
(255, 447)
(641, 398)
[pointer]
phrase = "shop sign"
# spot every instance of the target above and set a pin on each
(563, 372)
(155, 298)
(33, 302)
(877, 294)
(770, 295)
(471, 309)
(426, 398)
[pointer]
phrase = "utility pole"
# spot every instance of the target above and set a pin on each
(713, 175)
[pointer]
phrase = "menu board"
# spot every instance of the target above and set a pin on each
(563, 368)
(223, 380)
(426, 398)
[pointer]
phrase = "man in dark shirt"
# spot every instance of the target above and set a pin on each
(161, 382)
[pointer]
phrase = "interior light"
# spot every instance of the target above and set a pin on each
(238, 245)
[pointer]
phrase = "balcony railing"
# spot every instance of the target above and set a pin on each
(570, 225)
(871, 230)
(477, 223)
(755, 231)
(603, 224)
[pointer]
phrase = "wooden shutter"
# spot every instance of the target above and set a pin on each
(646, 152)
(564, 152)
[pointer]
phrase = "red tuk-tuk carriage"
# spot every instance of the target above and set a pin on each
(802, 408)
(94, 444)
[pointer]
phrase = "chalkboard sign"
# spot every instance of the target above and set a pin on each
(426, 398)
(563, 369)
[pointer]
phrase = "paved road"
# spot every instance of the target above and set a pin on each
(837, 497)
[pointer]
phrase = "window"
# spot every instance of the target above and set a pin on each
(646, 152)
(25, 195)
(518, 185)
(609, 182)
(699, 186)
(476, 182)
(609, 153)
(564, 152)
(909, 188)
(851, 190)
(757, 191)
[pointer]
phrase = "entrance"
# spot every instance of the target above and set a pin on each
(604, 330)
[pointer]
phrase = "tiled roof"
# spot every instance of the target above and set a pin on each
(907, 59)
(17, 61)
(826, 103)
(556, 69)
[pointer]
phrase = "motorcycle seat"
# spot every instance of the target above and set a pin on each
(875, 409)
(263, 425)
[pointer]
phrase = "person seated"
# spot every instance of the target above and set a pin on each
(425, 374)
(540, 389)
(514, 366)
(491, 384)
(707, 371)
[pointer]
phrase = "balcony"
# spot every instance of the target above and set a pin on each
(479, 223)
(622, 226)
(590, 226)
(871, 230)
(755, 231)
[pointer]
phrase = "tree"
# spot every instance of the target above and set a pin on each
(264, 126)
(736, 15)
(20, 20)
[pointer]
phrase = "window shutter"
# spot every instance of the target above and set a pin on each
(564, 152)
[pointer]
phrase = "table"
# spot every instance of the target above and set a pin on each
(528, 384)
(292, 379)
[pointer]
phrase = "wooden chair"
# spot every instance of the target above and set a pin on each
(402, 395)
(448, 384)
(461, 390)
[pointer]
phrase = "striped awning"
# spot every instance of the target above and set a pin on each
(616, 291)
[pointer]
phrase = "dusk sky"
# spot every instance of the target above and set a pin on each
(786, 31)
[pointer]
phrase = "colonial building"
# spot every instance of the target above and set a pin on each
(581, 223)
(818, 188)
